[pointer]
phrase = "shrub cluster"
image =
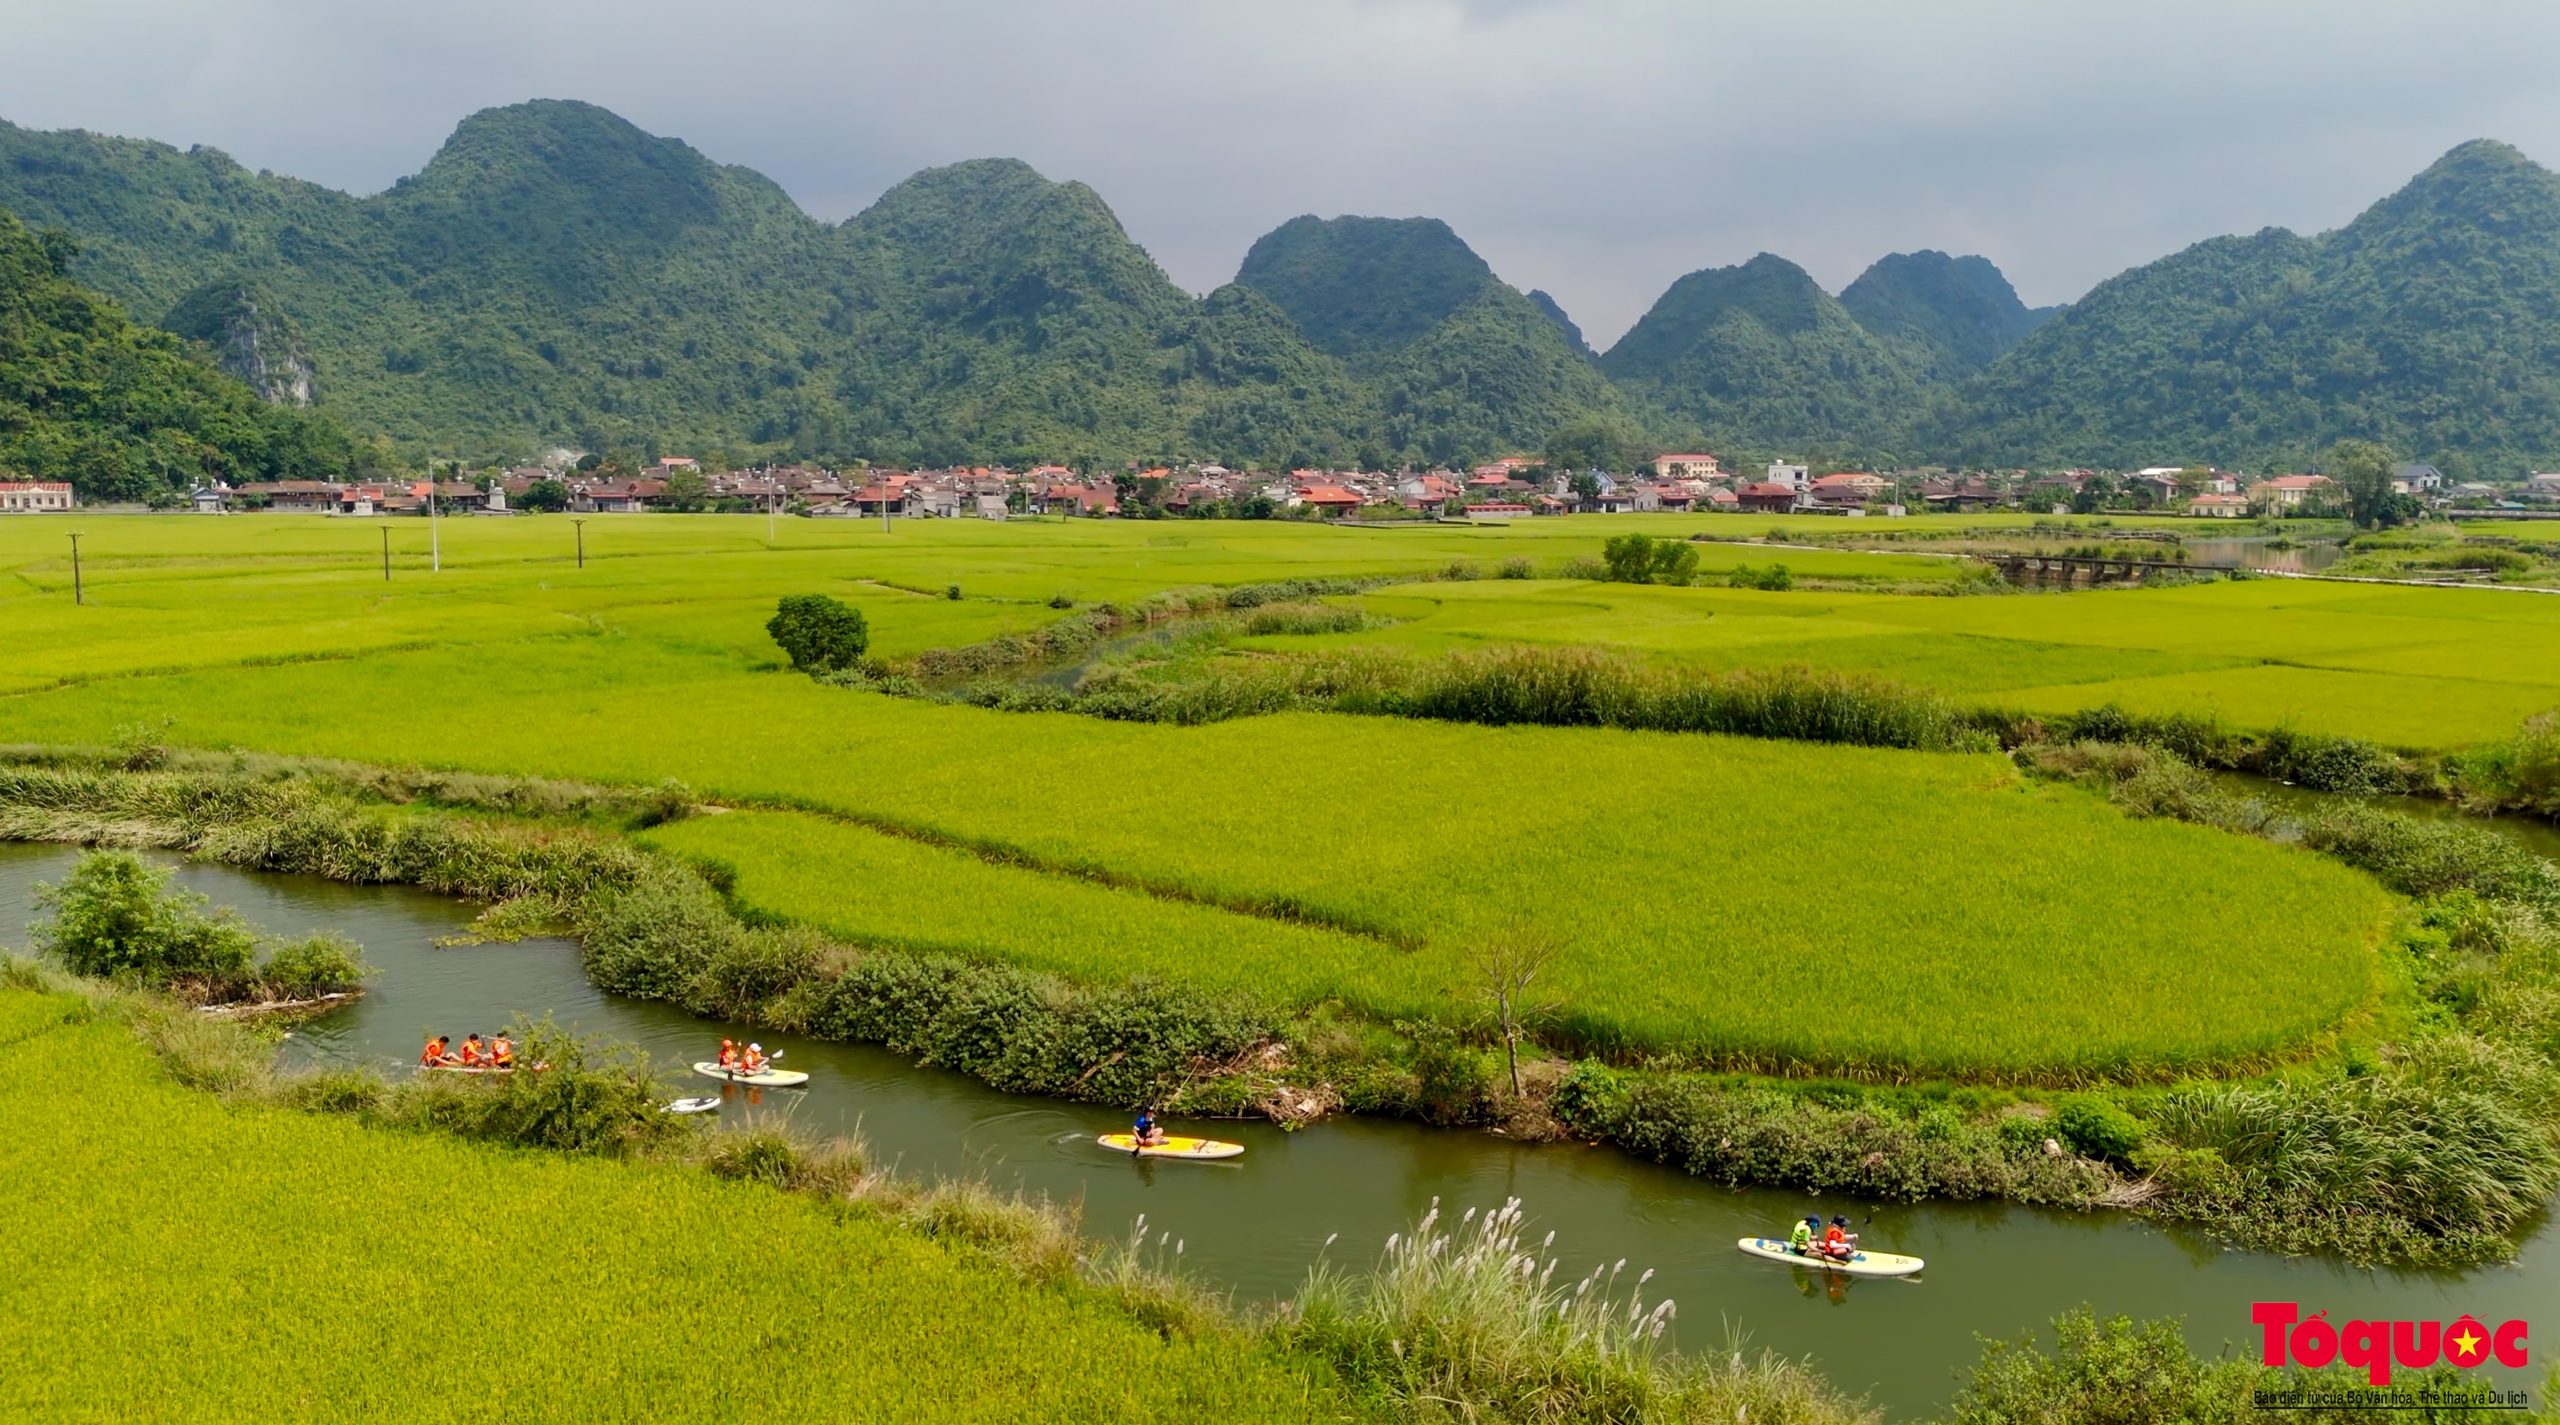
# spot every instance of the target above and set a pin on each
(670, 937)
(116, 918)
(1746, 1131)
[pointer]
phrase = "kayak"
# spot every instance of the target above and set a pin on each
(1196, 1149)
(770, 1078)
(694, 1105)
(1860, 1264)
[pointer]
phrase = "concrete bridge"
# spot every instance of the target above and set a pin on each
(2078, 570)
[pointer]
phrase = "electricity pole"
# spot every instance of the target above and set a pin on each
(435, 544)
(386, 554)
(76, 596)
(582, 542)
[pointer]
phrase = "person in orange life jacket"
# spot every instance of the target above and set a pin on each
(471, 1051)
(435, 1053)
(502, 1053)
(754, 1061)
(729, 1054)
(1839, 1241)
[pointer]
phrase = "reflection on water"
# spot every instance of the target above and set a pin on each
(1254, 1224)
(2296, 556)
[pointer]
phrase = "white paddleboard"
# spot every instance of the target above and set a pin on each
(769, 1079)
(1860, 1264)
(694, 1105)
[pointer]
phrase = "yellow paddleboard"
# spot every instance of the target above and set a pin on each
(1862, 1264)
(1197, 1149)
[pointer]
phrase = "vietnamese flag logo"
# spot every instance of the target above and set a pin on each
(2466, 1343)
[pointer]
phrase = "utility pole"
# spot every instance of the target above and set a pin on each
(77, 597)
(582, 542)
(435, 543)
(884, 507)
(772, 497)
(386, 554)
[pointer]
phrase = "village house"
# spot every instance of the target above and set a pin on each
(1685, 467)
(1328, 501)
(1959, 497)
(2227, 507)
(1847, 490)
(1496, 510)
(28, 497)
(2414, 479)
(309, 497)
(2288, 492)
(1796, 478)
(617, 497)
(1766, 498)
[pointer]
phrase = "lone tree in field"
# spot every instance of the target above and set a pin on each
(821, 634)
(1507, 965)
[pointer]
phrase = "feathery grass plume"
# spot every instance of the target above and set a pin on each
(1468, 1322)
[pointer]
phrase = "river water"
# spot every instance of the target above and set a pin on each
(1253, 1225)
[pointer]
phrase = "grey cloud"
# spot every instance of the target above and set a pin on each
(1595, 148)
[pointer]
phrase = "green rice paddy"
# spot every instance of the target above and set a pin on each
(1756, 901)
(179, 1259)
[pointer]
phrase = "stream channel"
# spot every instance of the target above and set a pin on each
(1255, 1224)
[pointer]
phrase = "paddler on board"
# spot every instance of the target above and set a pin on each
(437, 1053)
(1146, 1132)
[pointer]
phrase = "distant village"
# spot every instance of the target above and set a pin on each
(1515, 487)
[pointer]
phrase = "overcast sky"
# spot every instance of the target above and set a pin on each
(1596, 148)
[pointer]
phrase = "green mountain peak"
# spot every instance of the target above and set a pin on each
(1362, 285)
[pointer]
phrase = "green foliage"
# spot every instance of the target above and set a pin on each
(2118, 1371)
(1949, 316)
(543, 496)
(1761, 355)
(325, 963)
(1641, 559)
(2419, 325)
(822, 634)
(1776, 579)
(115, 917)
(125, 412)
(2096, 1128)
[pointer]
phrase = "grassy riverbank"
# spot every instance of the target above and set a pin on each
(259, 1263)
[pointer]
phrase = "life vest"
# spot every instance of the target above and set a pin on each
(1800, 1238)
(433, 1052)
(502, 1054)
(471, 1050)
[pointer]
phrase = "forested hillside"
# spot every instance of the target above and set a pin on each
(1759, 355)
(2431, 323)
(1460, 361)
(122, 410)
(556, 276)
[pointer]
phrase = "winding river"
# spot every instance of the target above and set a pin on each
(1255, 1224)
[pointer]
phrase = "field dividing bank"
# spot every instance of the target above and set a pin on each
(1785, 904)
(2431, 668)
(265, 1264)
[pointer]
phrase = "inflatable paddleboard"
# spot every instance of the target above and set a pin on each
(466, 1069)
(770, 1078)
(1197, 1149)
(694, 1105)
(1862, 1264)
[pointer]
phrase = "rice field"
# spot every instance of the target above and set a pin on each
(1819, 906)
(183, 1260)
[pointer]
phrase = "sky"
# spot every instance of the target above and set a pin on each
(1595, 148)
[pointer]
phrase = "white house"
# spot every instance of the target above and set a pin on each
(19, 497)
(1798, 478)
